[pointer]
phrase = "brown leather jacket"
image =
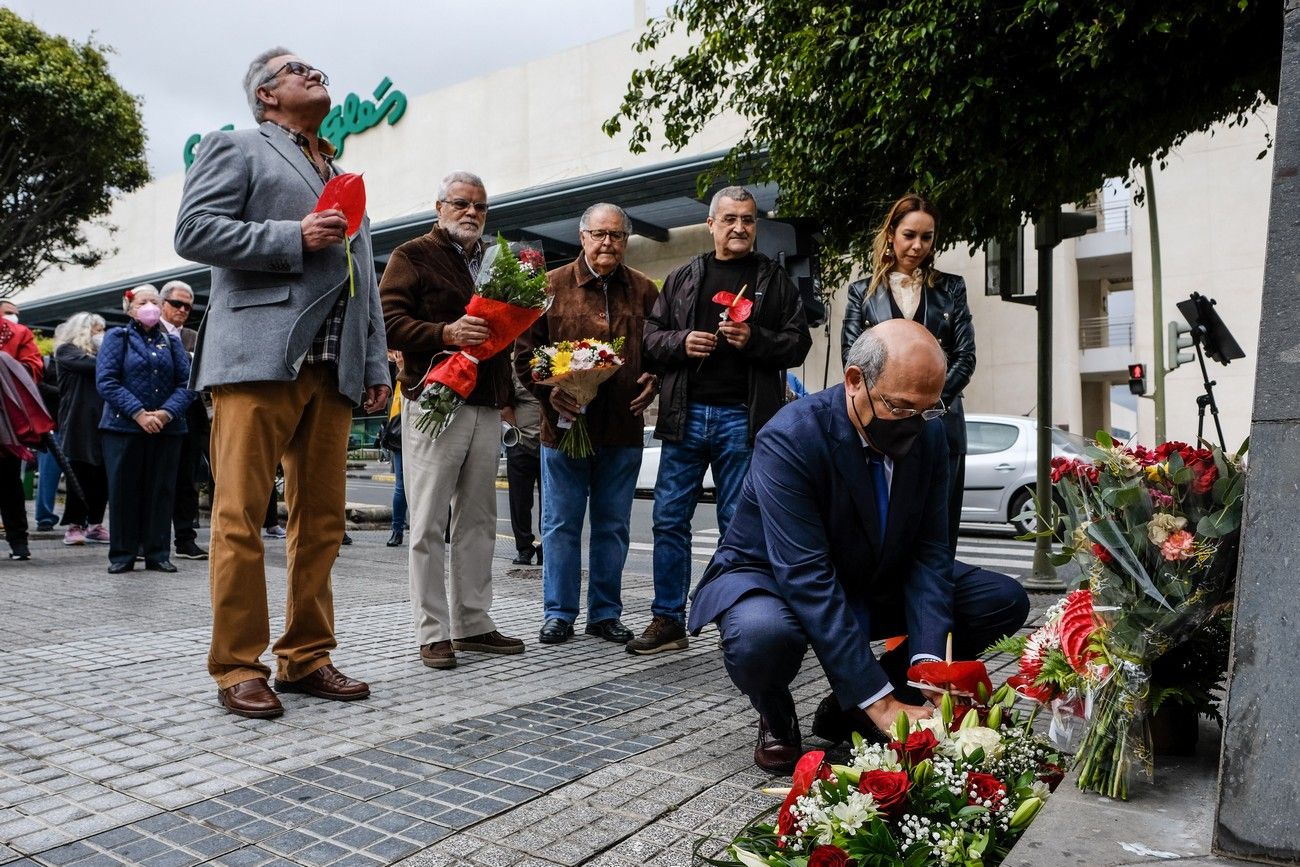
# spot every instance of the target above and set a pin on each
(581, 309)
(426, 286)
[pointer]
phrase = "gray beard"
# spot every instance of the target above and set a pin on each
(463, 236)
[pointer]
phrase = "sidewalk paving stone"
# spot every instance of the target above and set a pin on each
(114, 751)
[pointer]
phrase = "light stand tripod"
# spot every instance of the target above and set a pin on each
(1210, 337)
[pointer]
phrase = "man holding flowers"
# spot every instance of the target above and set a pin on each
(424, 291)
(840, 539)
(594, 297)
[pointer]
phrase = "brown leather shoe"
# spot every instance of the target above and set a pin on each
(777, 755)
(438, 655)
(250, 698)
(326, 682)
(489, 642)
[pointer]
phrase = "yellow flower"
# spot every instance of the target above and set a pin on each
(560, 364)
(1154, 472)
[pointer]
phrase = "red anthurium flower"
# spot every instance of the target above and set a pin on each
(811, 767)
(963, 677)
(346, 193)
(1077, 625)
(737, 310)
(1024, 685)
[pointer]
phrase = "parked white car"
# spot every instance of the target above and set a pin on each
(1002, 467)
(645, 480)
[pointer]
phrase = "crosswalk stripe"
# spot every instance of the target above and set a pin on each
(990, 562)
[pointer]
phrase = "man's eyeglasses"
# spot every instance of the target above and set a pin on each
(930, 414)
(295, 67)
(180, 305)
(464, 204)
(601, 235)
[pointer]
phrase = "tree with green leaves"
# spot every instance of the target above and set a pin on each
(72, 137)
(997, 111)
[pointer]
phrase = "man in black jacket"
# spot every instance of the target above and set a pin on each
(722, 381)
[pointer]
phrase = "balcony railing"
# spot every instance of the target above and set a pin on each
(1112, 212)
(1101, 332)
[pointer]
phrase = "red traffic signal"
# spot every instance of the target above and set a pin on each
(1137, 378)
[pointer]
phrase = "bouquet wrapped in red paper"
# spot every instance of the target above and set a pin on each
(510, 294)
(577, 367)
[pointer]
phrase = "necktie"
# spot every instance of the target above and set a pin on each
(880, 486)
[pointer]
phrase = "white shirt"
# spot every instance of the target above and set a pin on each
(906, 289)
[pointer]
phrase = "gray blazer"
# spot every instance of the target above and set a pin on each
(241, 212)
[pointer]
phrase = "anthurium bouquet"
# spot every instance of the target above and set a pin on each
(510, 293)
(1155, 533)
(577, 367)
(959, 788)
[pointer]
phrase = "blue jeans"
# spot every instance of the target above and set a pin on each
(399, 495)
(717, 437)
(48, 486)
(606, 481)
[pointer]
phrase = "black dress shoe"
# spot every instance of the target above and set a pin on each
(347, 540)
(539, 555)
(119, 568)
(837, 726)
(523, 558)
(160, 566)
(777, 754)
(610, 630)
(555, 631)
(394, 539)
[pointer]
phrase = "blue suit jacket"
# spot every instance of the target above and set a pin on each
(806, 530)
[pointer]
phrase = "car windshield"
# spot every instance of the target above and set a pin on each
(1069, 442)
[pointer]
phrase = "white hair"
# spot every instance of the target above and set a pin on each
(146, 290)
(78, 331)
(585, 222)
(736, 194)
(459, 178)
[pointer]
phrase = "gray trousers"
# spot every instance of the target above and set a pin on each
(451, 596)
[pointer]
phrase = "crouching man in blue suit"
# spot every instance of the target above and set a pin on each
(841, 539)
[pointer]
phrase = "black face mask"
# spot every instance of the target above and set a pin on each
(892, 438)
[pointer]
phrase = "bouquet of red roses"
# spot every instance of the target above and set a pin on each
(959, 788)
(510, 294)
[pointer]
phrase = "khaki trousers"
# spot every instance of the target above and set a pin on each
(303, 425)
(459, 470)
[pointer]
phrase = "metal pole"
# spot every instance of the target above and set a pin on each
(1044, 574)
(1157, 364)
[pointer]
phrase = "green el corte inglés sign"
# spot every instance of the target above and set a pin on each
(352, 115)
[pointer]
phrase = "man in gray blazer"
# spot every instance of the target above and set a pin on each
(287, 347)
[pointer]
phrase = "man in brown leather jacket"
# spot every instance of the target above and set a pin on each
(595, 296)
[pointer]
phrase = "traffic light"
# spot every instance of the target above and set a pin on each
(1137, 378)
(1178, 339)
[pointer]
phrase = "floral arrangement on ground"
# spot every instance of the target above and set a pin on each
(958, 788)
(1155, 535)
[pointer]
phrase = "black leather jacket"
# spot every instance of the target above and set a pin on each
(779, 339)
(947, 317)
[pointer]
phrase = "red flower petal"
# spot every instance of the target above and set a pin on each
(346, 193)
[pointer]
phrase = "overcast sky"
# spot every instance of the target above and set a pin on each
(186, 59)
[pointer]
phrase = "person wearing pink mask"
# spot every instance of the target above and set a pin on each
(141, 372)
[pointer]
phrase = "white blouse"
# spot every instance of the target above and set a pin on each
(906, 289)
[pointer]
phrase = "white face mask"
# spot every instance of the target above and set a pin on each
(12, 317)
(97, 339)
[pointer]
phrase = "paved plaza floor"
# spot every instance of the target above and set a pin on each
(113, 749)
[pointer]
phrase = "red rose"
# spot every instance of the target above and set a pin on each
(984, 787)
(919, 747)
(1099, 551)
(1052, 775)
(829, 856)
(532, 258)
(1164, 450)
(1060, 467)
(888, 789)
